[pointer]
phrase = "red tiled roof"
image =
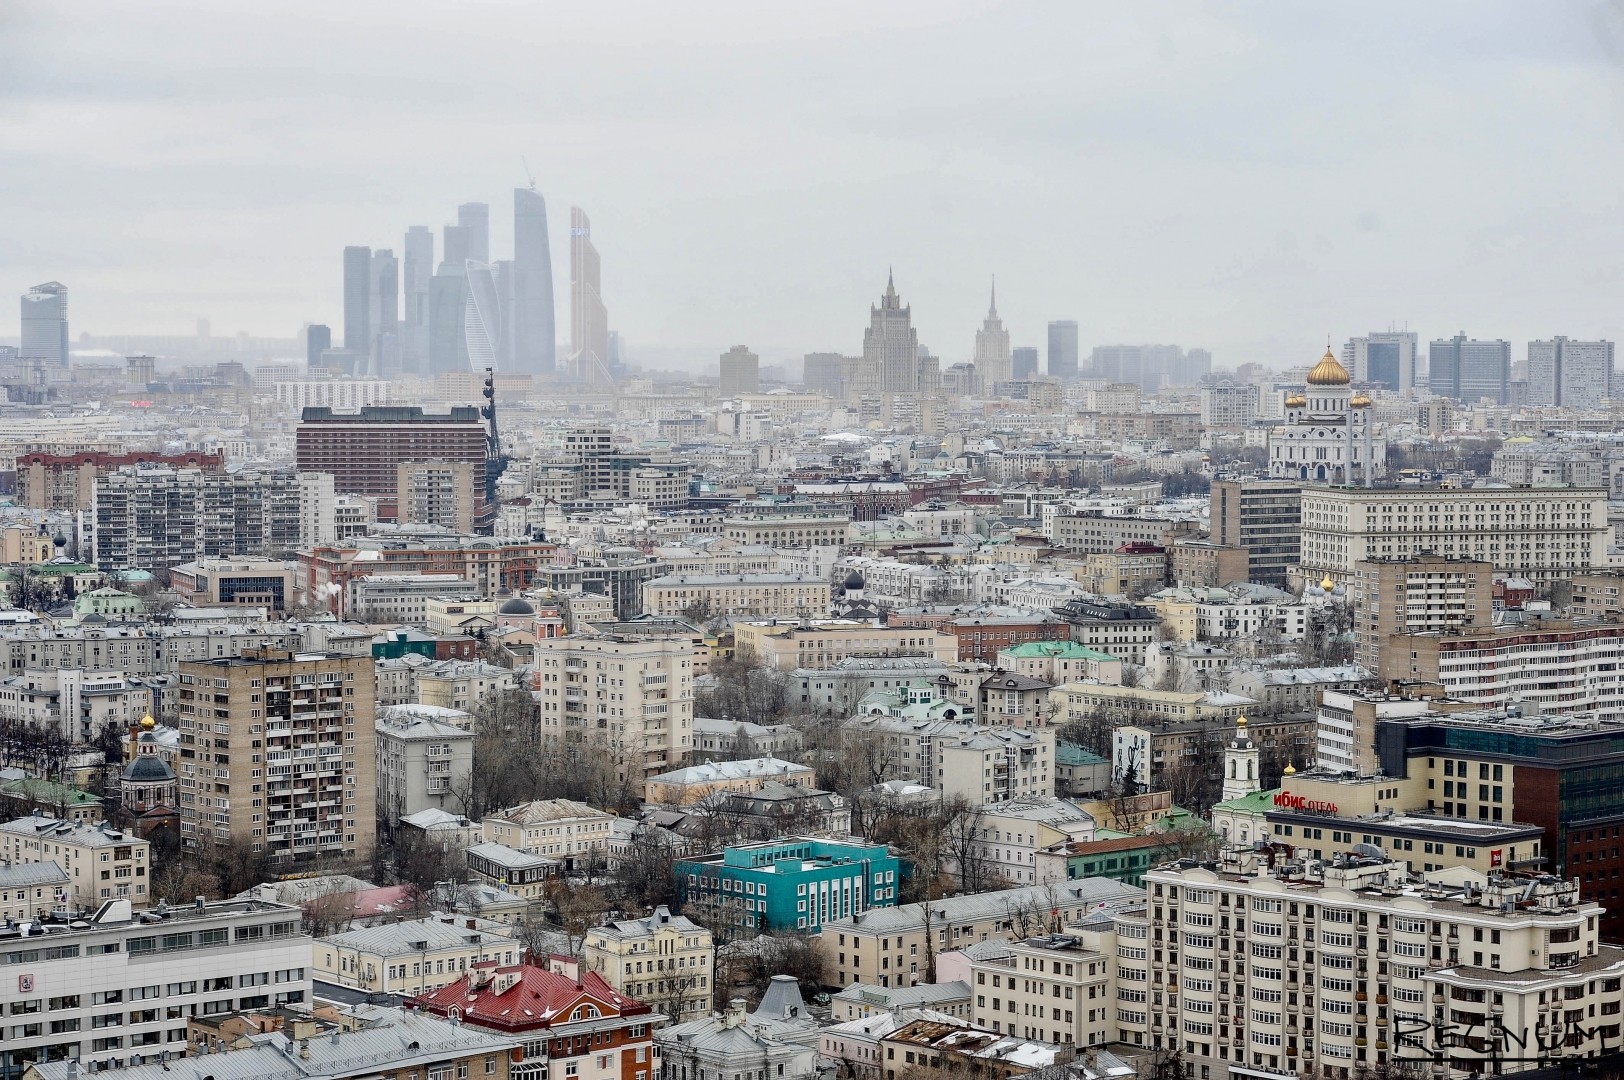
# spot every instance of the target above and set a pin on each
(536, 999)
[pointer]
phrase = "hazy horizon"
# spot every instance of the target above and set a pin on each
(1247, 178)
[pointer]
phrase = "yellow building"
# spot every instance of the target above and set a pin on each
(664, 960)
(1177, 614)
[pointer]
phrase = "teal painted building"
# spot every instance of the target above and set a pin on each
(797, 883)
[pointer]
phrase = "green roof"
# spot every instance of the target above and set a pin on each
(1067, 650)
(62, 568)
(48, 792)
(1256, 803)
(1066, 753)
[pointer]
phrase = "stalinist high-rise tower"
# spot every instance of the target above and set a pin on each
(994, 361)
(891, 345)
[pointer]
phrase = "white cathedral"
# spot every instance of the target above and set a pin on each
(1330, 432)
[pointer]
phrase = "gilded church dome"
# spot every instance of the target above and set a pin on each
(1361, 400)
(1296, 401)
(1329, 372)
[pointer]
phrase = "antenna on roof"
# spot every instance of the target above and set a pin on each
(528, 174)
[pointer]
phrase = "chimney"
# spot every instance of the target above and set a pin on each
(734, 1016)
(304, 1049)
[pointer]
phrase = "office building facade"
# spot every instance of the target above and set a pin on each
(1063, 349)
(1264, 517)
(1538, 533)
(45, 325)
(1384, 359)
(1023, 362)
(1569, 374)
(533, 341)
(318, 339)
(1468, 370)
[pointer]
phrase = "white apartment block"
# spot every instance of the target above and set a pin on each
(115, 991)
(412, 957)
(1539, 533)
(421, 760)
(561, 828)
(962, 759)
(1010, 834)
(1338, 968)
(633, 694)
(102, 863)
(996, 764)
(1228, 405)
(1570, 374)
(1558, 667)
(340, 395)
(1050, 987)
(1241, 619)
(76, 704)
(736, 594)
(402, 598)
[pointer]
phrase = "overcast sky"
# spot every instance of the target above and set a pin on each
(1247, 177)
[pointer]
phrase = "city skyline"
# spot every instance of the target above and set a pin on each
(1210, 211)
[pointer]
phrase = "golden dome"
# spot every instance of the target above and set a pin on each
(1296, 401)
(1289, 770)
(1240, 721)
(1361, 400)
(1327, 584)
(1328, 372)
(148, 723)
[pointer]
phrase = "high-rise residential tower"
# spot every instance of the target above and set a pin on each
(1385, 359)
(311, 717)
(534, 338)
(994, 362)
(1063, 349)
(476, 218)
(589, 319)
(45, 324)
(891, 344)
(1570, 374)
(1469, 370)
(740, 372)
(358, 300)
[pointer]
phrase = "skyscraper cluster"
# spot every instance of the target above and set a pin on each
(466, 312)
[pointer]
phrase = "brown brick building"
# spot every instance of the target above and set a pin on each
(363, 450)
(1417, 595)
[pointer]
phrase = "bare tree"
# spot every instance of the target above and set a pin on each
(577, 908)
(967, 850)
(645, 875)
